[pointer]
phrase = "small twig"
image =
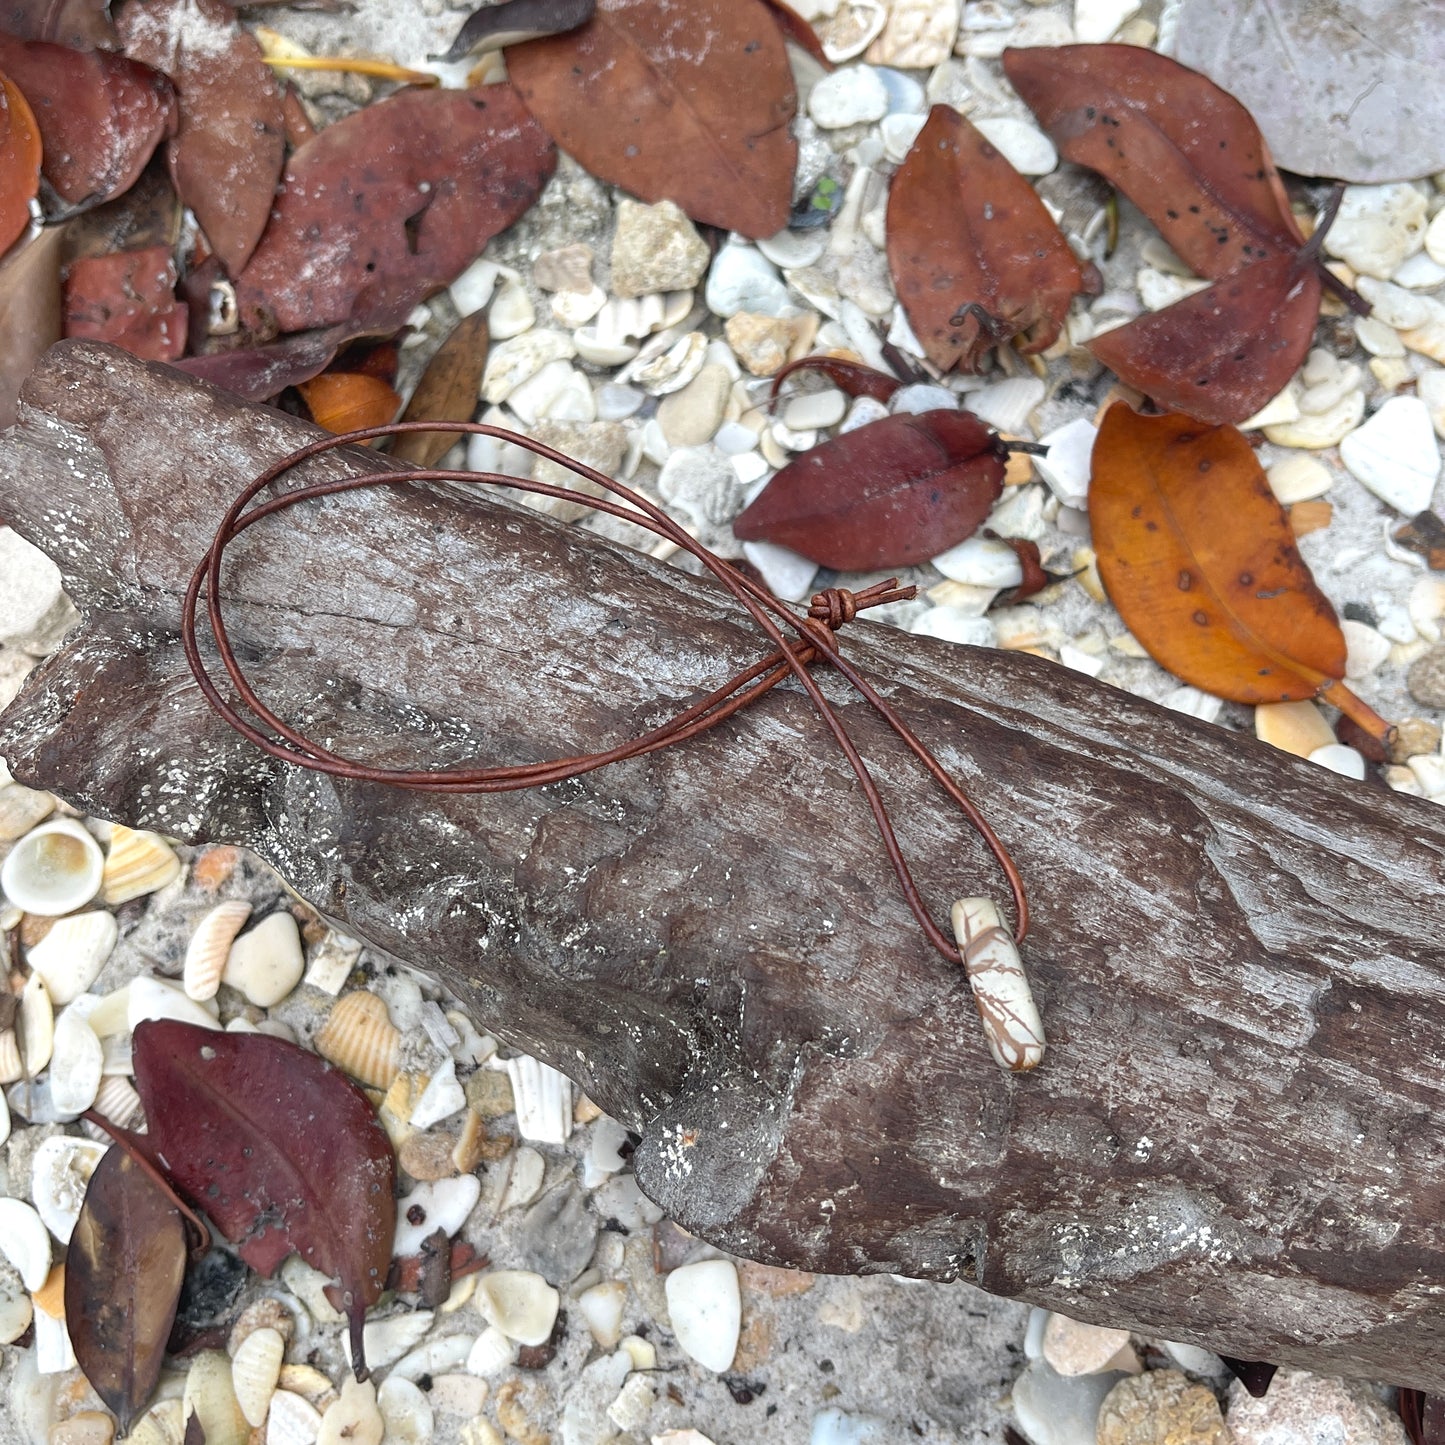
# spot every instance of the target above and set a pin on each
(381, 69)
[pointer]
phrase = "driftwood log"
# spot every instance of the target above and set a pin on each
(1237, 1136)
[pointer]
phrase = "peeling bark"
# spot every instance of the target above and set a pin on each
(1236, 1136)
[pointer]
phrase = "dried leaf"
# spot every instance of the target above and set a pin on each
(1423, 1416)
(647, 82)
(101, 115)
(348, 401)
(81, 24)
(975, 256)
(128, 298)
(447, 391)
(1254, 1375)
(1221, 354)
(1185, 152)
(798, 31)
(123, 1273)
(257, 373)
(31, 314)
(230, 145)
(852, 377)
(19, 162)
(1197, 555)
(391, 203)
(890, 494)
(148, 214)
(491, 27)
(282, 1152)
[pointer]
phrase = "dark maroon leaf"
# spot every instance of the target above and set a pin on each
(852, 377)
(387, 205)
(895, 492)
(123, 1273)
(1035, 579)
(83, 24)
(258, 373)
(282, 1152)
(129, 299)
(510, 23)
(1252, 1374)
(100, 115)
(227, 154)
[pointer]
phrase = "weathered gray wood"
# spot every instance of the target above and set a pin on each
(1238, 1134)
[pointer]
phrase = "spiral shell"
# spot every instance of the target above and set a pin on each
(360, 1039)
(210, 946)
(138, 863)
(255, 1367)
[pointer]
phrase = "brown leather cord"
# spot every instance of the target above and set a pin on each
(815, 640)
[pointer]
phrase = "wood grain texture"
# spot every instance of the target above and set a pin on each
(1236, 1136)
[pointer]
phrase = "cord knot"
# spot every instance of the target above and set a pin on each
(833, 607)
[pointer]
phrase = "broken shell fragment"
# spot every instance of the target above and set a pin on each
(255, 1368)
(70, 956)
(76, 1064)
(354, 1419)
(210, 946)
(361, 1040)
(54, 869)
(25, 1242)
(35, 1025)
(210, 1396)
(1011, 1022)
(543, 1100)
(59, 1176)
(519, 1303)
(12, 1069)
(138, 863)
(16, 1311)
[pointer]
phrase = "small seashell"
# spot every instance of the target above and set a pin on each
(405, 1411)
(210, 1396)
(35, 1026)
(138, 863)
(116, 1100)
(354, 1419)
(266, 1313)
(543, 1100)
(386, 1341)
(76, 1064)
(266, 962)
(441, 1204)
(360, 1039)
(601, 1308)
(292, 1420)
(520, 1303)
(53, 1353)
(435, 1357)
(440, 1099)
(25, 1242)
(524, 1180)
(11, 1066)
(69, 958)
(210, 946)
(313, 1385)
(54, 869)
(16, 1311)
(150, 998)
(1011, 1022)
(4, 1126)
(492, 1353)
(255, 1367)
(704, 1305)
(162, 1424)
(59, 1175)
(332, 962)
(675, 367)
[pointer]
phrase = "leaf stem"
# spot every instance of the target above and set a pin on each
(1338, 695)
(381, 69)
(1311, 253)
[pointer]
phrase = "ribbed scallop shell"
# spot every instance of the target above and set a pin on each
(210, 946)
(360, 1039)
(162, 1424)
(254, 1370)
(116, 1100)
(293, 1421)
(138, 863)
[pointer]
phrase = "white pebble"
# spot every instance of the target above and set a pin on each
(1068, 463)
(981, 562)
(1190, 700)
(1430, 388)
(473, 288)
(792, 249)
(521, 358)
(733, 439)
(1378, 227)
(1299, 478)
(750, 467)
(519, 1303)
(1340, 759)
(788, 574)
(266, 962)
(1024, 146)
(539, 395)
(705, 1309)
(1392, 305)
(512, 312)
(851, 95)
(1005, 405)
(814, 409)
(354, 1418)
(441, 1098)
(617, 403)
(1317, 431)
(955, 624)
(1429, 771)
(1095, 21)
(1079, 660)
(76, 1062)
(866, 410)
(743, 279)
(492, 1353)
(920, 397)
(405, 1411)
(34, 612)
(1365, 649)
(388, 1340)
(1420, 272)
(1435, 238)
(899, 133)
(1395, 454)
(1282, 407)
(149, 998)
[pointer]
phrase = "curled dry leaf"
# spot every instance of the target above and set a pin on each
(348, 400)
(890, 494)
(282, 1152)
(387, 205)
(1184, 151)
(513, 21)
(147, 214)
(228, 150)
(81, 24)
(31, 313)
(128, 298)
(853, 377)
(100, 115)
(123, 1273)
(975, 256)
(447, 391)
(19, 162)
(257, 373)
(1197, 555)
(646, 83)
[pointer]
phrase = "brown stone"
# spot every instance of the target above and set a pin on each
(489, 1092)
(428, 1154)
(1161, 1407)
(1413, 736)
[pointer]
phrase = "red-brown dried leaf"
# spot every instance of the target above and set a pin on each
(281, 1151)
(447, 391)
(100, 115)
(1035, 578)
(853, 377)
(128, 298)
(1222, 353)
(975, 256)
(123, 1273)
(1184, 151)
(890, 494)
(20, 156)
(81, 24)
(681, 100)
(798, 31)
(228, 150)
(258, 373)
(387, 205)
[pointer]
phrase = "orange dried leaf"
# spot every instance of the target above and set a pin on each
(975, 256)
(681, 100)
(348, 401)
(1197, 555)
(1184, 151)
(19, 162)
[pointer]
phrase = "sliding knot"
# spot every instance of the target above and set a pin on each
(833, 607)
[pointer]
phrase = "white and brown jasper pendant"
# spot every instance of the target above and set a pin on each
(1011, 1022)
